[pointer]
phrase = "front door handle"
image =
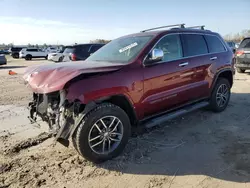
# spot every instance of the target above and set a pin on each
(183, 64)
(213, 58)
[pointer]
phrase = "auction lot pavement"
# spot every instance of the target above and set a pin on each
(202, 149)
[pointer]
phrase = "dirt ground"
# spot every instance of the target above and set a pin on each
(202, 149)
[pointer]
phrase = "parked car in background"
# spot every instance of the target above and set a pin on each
(80, 51)
(237, 45)
(14, 51)
(144, 78)
(3, 60)
(29, 53)
(57, 56)
(232, 46)
(4, 51)
(51, 50)
(243, 56)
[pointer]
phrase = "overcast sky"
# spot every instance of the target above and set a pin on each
(70, 21)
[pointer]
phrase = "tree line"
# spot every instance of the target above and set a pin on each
(237, 37)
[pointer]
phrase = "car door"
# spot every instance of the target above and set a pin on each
(195, 51)
(35, 52)
(218, 56)
(167, 83)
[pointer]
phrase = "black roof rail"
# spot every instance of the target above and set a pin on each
(175, 25)
(202, 27)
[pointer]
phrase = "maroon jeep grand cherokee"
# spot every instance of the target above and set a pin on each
(144, 78)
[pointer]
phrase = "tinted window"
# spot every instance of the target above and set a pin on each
(31, 50)
(95, 48)
(82, 49)
(194, 45)
(15, 49)
(245, 43)
(171, 47)
(214, 44)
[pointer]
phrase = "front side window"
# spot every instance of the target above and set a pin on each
(121, 50)
(194, 44)
(171, 47)
(214, 44)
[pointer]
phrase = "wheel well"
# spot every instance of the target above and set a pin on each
(227, 75)
(124, 104)
(28, 55)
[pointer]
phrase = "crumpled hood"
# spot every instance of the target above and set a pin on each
(52, 77)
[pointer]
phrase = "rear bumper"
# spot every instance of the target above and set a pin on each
(3, 62)
(243, 63)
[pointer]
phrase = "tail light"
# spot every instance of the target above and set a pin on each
(239, 53)
(73, 57)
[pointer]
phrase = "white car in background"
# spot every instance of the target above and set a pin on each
(29, 53)
(56, 57)
(62, 55)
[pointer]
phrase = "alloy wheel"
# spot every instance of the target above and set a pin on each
(105, 135)
(222, 95)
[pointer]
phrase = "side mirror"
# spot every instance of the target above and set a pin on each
(155, 55)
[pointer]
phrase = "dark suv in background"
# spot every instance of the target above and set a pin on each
(14, 51)
(243, 56)
(144, 79)
(80, 51)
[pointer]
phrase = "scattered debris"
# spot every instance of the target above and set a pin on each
(12, 72)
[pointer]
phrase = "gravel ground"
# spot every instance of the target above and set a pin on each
(202, 149)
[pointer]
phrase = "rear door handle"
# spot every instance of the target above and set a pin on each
(213, 58)
(183, 64)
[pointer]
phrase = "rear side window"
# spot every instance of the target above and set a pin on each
(245, 43)
(171, 47)
(83, 49)
(32, 50)
(194, 44)
(214, 44)
(95, 48)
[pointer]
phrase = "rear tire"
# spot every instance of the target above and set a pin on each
(46, 57)
(239, 70)
(220, 96)
(92, 136)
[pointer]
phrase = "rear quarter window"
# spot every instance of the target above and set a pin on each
(194, 44)
(214, 44)
(245, 43)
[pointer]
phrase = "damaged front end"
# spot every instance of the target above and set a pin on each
(61, 115)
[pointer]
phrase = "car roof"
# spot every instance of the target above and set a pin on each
(173, 30)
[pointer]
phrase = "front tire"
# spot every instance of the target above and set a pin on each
(220, 96)
(28, 57)
(103, 133)
(239, 70)
(60, 59)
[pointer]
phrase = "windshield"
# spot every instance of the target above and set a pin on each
(121, 49)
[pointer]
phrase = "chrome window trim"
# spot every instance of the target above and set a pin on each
(203, 34)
